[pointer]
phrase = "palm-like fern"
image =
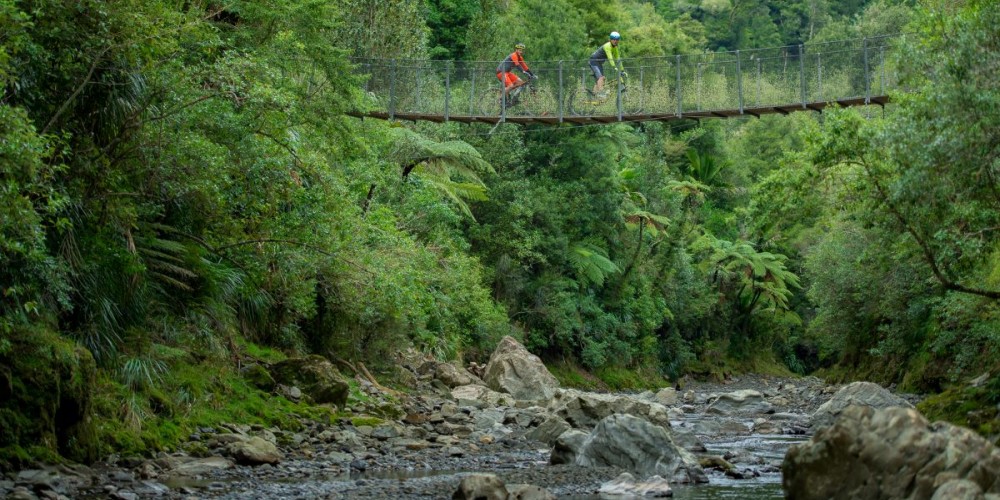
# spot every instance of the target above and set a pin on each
(755, 280)
(703, 168)
(591, 263)
(164, 258)
(451, 167)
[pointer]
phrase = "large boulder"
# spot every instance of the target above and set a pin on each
(480, 486)
(583, 410)
(626, 485)
(550, 429)
(514, 370)
(745, 402)
(480, 396)
(567, 447)
(315, 376)
(255, 451)
(888, 453)
(46, 386)
(857, 393)
(449, 374)
(640, 447)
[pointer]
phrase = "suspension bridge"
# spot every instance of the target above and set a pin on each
(781, 80)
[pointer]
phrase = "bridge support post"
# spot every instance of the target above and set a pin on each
(758, 81)
(472, 93)
(881, 60)
(819, 74)
(802, 73)
(392, 89)
(503, 102)
(868, 81)
(739, 81)
(680, 106)
(618, 90)
(560, 98)
(697, 88)
(447, 88)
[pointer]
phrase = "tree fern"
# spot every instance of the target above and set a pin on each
(702, 168)
(451, 167)
(754, 280)
(591, 263)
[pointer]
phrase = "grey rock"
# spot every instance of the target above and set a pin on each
(744, 402)
(626, 485)
(958, 489)
(480, 487)
(857, 393)
(638, 446)
(888, 453)
(255, 451)
(568, 446)
(514, 370)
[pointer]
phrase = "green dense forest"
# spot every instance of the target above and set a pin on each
(173, 204)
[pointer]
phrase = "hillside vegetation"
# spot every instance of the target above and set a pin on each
(176, 203)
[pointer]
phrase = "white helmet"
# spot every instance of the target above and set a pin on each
(615, 35)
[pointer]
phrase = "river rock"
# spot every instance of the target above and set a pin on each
(583, 410)
(857, 393)
(548, 430)
(450, 375)
(528, 492)
(514, 370)
(481, 487)
(316, 376)
(640, 447)
(480, 396)
(568, 446)
(626, 485)
(667, 396)
(255, 451)
(191, 466)
(744, 402)
(891, 453)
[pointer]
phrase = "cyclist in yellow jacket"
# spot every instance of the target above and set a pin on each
(607, 52)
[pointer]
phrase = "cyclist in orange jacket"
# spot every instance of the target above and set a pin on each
(505, 71)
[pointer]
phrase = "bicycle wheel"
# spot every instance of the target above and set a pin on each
(489, 103)
(535, 102)
(581, 103)
(632, 101)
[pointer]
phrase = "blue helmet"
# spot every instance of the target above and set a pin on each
(615, 35)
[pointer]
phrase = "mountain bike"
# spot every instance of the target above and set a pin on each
(526, 100)
(582, 101)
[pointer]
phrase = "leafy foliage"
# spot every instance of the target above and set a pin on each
(180, 179)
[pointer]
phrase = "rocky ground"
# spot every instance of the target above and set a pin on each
(387, 461)
(452, 426)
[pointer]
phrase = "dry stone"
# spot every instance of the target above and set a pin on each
(639, 447)
(891, 453)
(514, 370)
(857, 393)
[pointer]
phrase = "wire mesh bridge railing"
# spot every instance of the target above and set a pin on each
(719, 84)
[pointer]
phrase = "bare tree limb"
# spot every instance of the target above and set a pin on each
(925, 247)
(69, 100)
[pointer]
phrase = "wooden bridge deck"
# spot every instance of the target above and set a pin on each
(880, 100)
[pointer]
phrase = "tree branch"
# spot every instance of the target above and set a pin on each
(273, 240)
(72, 97)
(925, 247)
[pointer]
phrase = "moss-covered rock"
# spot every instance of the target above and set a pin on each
(259, 377)
(316, 376)
(975, 405)
(45, 399)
